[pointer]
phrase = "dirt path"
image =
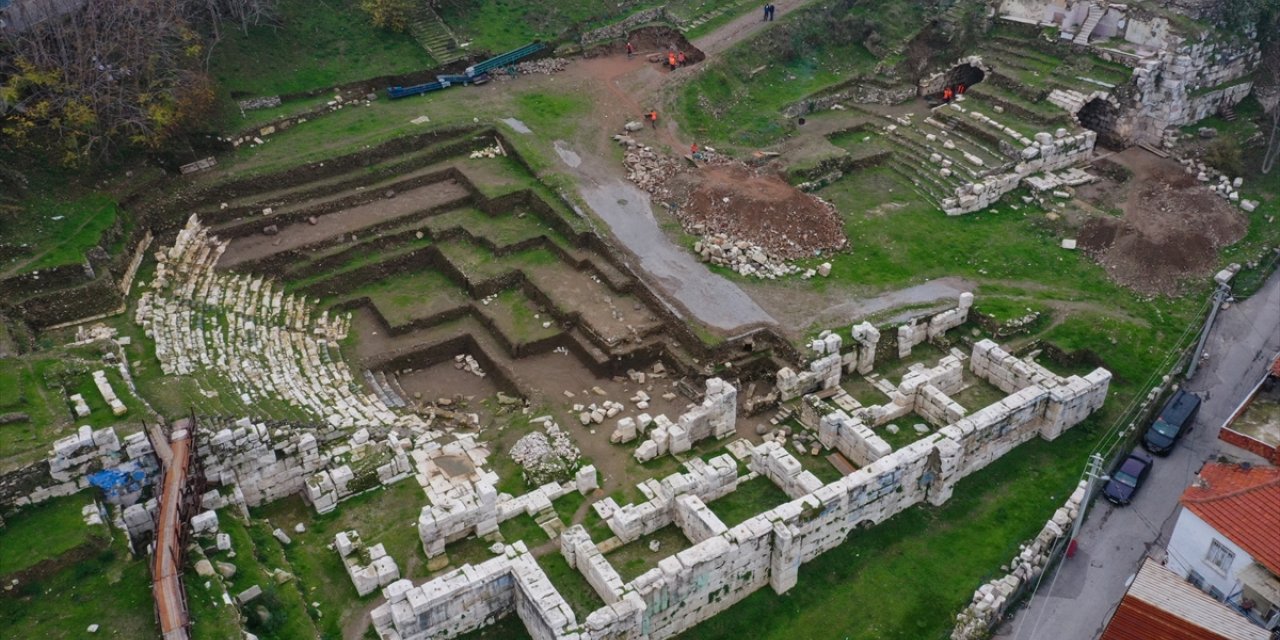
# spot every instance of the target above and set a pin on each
(744, 27)
(693, 289)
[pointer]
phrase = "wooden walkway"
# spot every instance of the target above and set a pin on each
(171, 602)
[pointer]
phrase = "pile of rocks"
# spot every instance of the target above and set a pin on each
(1223, 185)
(489, 152)
(743, 257)
(468, 363)
(546, 457)
(597, 413)
(546, 66)
(647, 168)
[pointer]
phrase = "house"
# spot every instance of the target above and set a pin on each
(1161, 605)
(1226, 540)
(1255, 425)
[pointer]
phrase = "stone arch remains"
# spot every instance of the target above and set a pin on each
(1102, 115)
(967, 74)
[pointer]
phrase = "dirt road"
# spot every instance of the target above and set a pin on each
(744, 27)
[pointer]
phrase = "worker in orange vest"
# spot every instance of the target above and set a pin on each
(946, 94)
(671, 59)
(653, 119)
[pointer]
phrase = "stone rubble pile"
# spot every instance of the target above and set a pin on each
(469, 363)
(369, 567)
(744, 258)
(489, 152)
(647, 168)
(1228, 188)
(992, 599)
(546, 456)
(546, 66)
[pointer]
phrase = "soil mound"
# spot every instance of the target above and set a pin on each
(1171, 231)
(763, 209)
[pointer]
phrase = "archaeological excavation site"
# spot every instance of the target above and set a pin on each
(591, 320)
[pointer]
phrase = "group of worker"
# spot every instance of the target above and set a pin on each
(676, 59)
(949, 93)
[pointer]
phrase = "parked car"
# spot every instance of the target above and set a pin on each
(1127, 478)
(1174, 420)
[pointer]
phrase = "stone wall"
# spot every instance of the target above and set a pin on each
(715, 417)
(992, 599)
(706, 479)
(475, 595)
(768, 549)
(581, 553)
(621, 28)
(777, 464)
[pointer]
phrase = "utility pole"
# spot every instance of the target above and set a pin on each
(1093, 473)
(1219, 297)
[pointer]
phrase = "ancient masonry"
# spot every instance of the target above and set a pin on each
(728, 563)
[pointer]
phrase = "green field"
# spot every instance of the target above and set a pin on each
(317, 45)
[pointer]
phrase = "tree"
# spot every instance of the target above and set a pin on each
(112, 74)
(392, 15)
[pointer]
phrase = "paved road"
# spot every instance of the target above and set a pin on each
(1075, 603)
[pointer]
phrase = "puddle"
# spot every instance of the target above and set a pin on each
(566, 154)
(519, 126)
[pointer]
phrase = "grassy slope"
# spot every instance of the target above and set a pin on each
(43, 532)
(62, 229)
(110, 589)
(727, 104)
(318, 44)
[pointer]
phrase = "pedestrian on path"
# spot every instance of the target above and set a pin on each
(766, 12)
(772, 10)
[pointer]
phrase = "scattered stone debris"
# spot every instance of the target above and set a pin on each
(546, 457)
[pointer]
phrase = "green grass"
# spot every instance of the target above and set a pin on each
(110, 589)
(550, 114)
(500, 25)
(904, 577)
(386, 517)
(573, 587)
(522, 527)
(257, 554)
(634, 558)
(751, 498)
(45, 531)
(211, 617)
(725, 104)
(319, 44)
(60, 230)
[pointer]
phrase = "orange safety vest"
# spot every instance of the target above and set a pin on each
(671, 59)
(653, 115)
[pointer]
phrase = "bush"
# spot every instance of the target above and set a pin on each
(392, 15)
(1224, 155)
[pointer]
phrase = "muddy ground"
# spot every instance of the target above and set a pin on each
(1171, 229)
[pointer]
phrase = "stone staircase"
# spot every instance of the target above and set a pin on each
(1090, 23)
(433, 34)
(693, 23)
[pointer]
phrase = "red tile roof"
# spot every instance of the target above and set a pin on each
(1160, 605)
(1243, 505)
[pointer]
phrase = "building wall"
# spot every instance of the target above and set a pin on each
(1189, 549)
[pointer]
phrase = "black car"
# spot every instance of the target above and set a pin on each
(1174, 420)
(1127, 477)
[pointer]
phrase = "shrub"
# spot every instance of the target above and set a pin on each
(392, 15)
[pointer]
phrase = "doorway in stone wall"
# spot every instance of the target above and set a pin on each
(965, 74)
(1100, 115)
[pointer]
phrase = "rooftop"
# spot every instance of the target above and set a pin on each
(1240, 502)
(1160, 605)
